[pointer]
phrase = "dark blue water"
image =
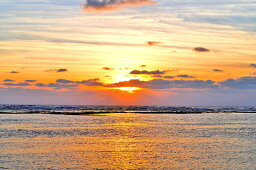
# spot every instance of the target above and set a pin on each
(98, 108)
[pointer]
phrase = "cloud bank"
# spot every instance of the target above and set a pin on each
(246, 83)
(240, 83)
(166, 84)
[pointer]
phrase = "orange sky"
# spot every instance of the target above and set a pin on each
(147, 47)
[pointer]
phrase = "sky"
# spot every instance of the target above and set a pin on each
(128, 52)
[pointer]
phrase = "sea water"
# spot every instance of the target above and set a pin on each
(128, 141)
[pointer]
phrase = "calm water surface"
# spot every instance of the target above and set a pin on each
(128, 141)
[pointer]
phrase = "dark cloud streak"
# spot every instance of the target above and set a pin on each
(30, 81)
(107, 68)
(109, 5)
(147, 72)
(185, 76)
(16, 84)
(217, 70)
(152, 43)
(201, 49)
(8, 80)
(14, 72)
(253, 65)
(64, 81)
(61, 70)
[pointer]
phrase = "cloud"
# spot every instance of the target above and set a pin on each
(40, 85)
(152, 84)
(157, 76)
(109, 5)
(14, 72)
(217, 70)
(58, 85)
(169, 77)
(166, 84)
(64, 81)
(147, 72)
(30, 81)
(240, 83)
(62, 70)
(143, 65)
(92, 82)
(107, 68)
(57, 70)
(17, 95)
(201, 49)
(8, 80)
(153, 43)
(185, 76)
(16, 84)
(253, 65)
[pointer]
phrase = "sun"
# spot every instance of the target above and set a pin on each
(129, 89)
(124, 78)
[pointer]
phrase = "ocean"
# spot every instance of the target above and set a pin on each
(127, 140)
